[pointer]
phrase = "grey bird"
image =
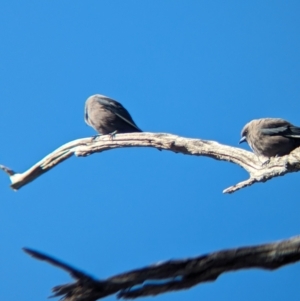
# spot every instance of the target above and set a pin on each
(271, 137)
(107, 116)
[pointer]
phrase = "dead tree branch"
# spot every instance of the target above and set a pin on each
(195, 147)
(174, 274)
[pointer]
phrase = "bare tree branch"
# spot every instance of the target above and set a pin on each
(174, 274)
(196, 147)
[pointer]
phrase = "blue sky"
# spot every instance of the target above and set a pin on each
(199, 69)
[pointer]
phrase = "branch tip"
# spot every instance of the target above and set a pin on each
(7, 170)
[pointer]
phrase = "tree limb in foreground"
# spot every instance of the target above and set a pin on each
(174, 274)
(187, 146)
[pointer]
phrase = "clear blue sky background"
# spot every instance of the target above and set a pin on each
(199, 69)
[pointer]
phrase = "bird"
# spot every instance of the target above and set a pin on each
(107, 116)
(271, 137)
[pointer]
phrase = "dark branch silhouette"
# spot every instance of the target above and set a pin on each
(174, 274)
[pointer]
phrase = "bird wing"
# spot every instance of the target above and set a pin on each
(118, 110)
(131, 123)
(287, 130)
(293, 132)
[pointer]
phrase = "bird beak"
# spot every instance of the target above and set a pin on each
(243, 139)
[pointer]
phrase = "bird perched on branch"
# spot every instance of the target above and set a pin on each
(108, 116)
(270, 137)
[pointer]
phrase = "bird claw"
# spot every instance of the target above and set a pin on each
(96, 137)
(263, 160)
(266, 162)
(113, 134)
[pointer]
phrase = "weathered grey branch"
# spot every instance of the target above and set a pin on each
(196, 147)
(174, 274)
